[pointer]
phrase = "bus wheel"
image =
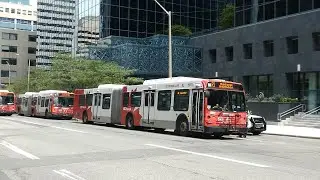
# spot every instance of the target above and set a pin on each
(183, 128)
(129, 122)
(84, 118)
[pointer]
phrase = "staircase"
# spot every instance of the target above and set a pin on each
(309, 119)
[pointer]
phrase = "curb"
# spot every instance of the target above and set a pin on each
(297, 136)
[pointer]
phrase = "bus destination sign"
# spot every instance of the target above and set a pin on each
(225, 85)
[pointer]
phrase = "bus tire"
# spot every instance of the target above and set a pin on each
(84, 118)
(182, 126)
(46, 114)
(129, 122)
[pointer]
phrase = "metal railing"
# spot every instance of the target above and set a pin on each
(312, 111)
(293, 110)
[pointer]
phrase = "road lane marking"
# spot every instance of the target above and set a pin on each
(68, 174)
(18, 150)
(57, 127)
(209, 155)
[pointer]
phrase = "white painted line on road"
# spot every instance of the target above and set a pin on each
(18, 150)
(209, 155)
(68, 174)
(67, 129)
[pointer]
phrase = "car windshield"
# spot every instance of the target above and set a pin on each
(63, 101)
(226, 101)
(4, 100)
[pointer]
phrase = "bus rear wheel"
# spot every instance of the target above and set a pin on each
(129, 122)
(183, 128)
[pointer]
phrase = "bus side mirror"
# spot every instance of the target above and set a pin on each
(207, 93)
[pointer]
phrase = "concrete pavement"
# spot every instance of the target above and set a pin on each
(32, 148)
(294, 131)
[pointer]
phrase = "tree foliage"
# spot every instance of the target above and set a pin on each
(227, 17)
(179, 30)
(67, 73)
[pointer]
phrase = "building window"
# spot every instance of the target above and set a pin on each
(18, 11)
(5, 73)
(164, 100)
(1, 9)
(32, 62)
(256, 84)
(7, 10)
(6, 48)
(181, 100)
(213, 55)
(316, 41)
(292, 45)
(268, 48)
(29, 13)
(24, 12)
(229, 53)
(247, 51)
(11, 61)
(9, 36)
(33, 38)
(13, 11)
(136, 99)
(32, 50)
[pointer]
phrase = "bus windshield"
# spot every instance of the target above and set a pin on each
(222, 100)
(63, 101)
(4, 100)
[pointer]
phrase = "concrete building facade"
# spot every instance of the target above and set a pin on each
(55, 29)
(18, 40)
(278, 56)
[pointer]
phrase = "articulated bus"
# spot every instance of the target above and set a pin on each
(82, 105)
(209, 106)
(54, 104)
(100, 105)
(187, 105)
(26, 103)
(7, 103)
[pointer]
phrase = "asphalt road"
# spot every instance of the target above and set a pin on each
(40, 149)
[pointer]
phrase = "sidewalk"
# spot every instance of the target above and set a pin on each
(293, 131)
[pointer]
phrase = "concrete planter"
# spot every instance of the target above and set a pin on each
(269, 110)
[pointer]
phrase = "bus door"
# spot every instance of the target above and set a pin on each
(148, 107)
(96, 106)
(29, 106)
(197, 110)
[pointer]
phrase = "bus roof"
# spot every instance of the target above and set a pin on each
(2, 90)
(45, 92)
(180, 79)
(113, 86)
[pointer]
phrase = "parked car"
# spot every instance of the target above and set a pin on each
(256, 124)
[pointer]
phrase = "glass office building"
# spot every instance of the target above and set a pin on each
(144, 18)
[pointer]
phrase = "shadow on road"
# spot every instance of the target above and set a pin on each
(150, 130)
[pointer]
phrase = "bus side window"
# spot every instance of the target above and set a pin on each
(42, 102)
(89, 98)
(47, 103)
(164, 100)
(125, 99)
(82, 100)
(181, 100)
(106, 99)
(136, 99)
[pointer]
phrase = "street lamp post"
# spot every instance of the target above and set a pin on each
(170, 44)
(28, 75)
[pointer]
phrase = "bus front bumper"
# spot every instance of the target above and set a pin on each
(225, 129)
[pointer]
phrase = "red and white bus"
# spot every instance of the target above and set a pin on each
(186, 105)
(54, 104)
(26, 103)
(82, 105)
(7, 103)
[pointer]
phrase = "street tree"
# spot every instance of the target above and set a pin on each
(227, 17)
(179, 30)
(67, 73)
